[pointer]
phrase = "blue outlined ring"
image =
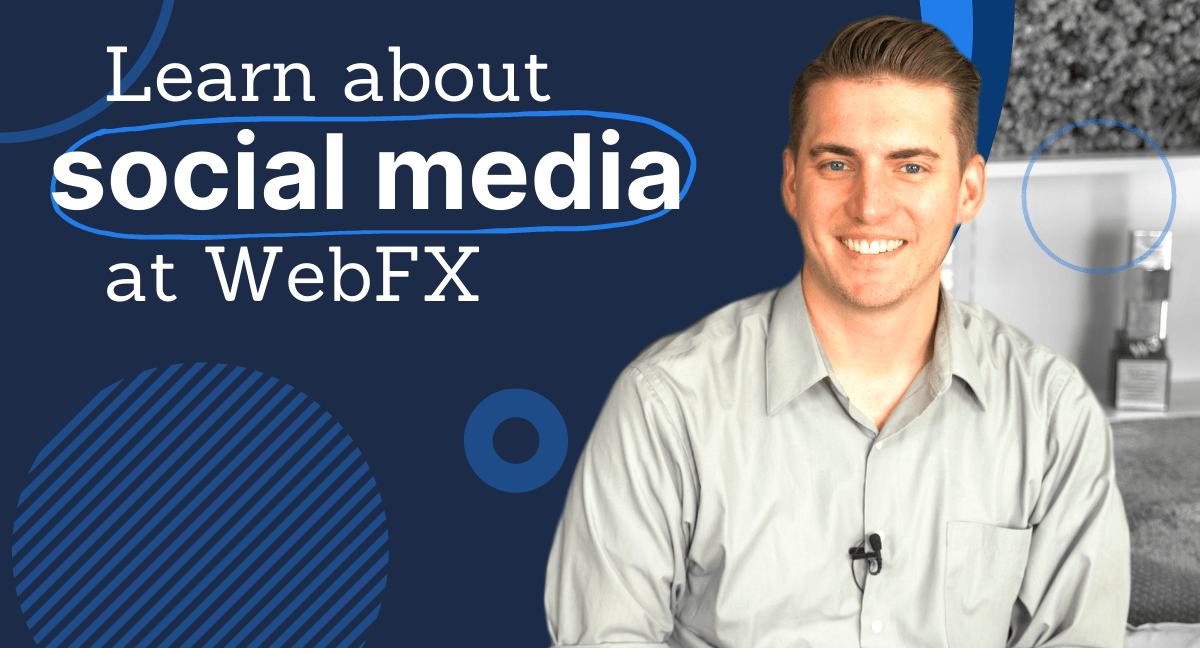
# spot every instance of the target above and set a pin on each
(1025, 187)
(552, 440)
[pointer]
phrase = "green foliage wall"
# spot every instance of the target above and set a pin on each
(1134, 61)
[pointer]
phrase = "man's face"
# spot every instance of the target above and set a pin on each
(876, 189)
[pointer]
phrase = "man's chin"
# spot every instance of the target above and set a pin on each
(881, 292)
(872, 297)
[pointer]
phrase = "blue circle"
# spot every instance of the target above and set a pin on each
(552, 440)
(160, 27)
(1025, 187)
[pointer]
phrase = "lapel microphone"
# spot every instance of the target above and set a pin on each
(874, 557)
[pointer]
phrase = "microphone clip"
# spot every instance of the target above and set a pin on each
(874, 557)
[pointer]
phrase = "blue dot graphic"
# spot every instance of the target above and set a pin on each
(552, 440)
(1025, 188)
(201, 506)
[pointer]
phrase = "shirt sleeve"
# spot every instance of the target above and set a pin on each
(1076, 586)
(617, 568)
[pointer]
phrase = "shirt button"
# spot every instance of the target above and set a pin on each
(877, 626)
(879, 445)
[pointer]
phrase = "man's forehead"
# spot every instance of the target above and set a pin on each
(884, 114)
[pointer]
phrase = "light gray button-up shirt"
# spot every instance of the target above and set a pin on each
(729, 475)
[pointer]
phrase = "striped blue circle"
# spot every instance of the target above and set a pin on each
(200, 506)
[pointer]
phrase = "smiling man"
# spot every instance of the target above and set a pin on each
(856, 458)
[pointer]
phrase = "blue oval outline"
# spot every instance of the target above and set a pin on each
(393, 118)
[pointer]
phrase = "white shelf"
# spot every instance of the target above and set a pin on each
(1185, 402)
(1077, 166)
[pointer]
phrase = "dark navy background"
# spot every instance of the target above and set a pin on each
(559, 313)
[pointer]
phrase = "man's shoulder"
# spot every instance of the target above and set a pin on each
(738, 327)
(1002, 349)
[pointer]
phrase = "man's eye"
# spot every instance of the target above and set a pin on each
(912, 168)
(836, 166)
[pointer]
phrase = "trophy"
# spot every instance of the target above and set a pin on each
(1141, 369)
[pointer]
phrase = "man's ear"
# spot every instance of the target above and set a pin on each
(972, 190)
(788, 189)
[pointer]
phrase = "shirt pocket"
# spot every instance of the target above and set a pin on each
(985, 565)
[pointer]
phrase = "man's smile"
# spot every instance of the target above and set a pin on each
(871, 246)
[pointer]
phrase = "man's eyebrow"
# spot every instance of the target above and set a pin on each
(835, 149)
(904, 154)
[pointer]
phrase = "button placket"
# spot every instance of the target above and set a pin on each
(874, 600)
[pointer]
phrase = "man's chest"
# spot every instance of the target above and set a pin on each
(785, 497)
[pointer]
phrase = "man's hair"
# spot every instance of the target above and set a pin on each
(888, 48)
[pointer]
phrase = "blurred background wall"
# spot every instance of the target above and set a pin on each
(1083, 209)
(1132, 61)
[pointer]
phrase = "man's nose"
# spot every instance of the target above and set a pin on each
(872, 197)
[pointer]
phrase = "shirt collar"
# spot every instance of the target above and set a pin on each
(964, 362)
(796, 361)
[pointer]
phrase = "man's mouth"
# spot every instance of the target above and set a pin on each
(872, 247)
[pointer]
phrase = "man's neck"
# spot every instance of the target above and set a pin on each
(875, 352)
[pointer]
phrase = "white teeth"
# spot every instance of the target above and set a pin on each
(872, 247)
